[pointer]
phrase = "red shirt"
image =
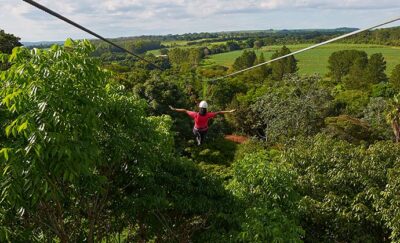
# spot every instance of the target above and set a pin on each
(201, 122)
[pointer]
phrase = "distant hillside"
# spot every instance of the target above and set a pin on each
(41, 43)
(342, 29)
(237, 34)
(203, 35)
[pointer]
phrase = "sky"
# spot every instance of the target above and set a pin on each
(116, 18)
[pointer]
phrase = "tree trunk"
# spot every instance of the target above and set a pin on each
(142, 233)
(91, 230)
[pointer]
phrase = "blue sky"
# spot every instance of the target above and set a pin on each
(115, 18)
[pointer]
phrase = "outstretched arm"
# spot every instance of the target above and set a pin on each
(223, 112)
(178, 110)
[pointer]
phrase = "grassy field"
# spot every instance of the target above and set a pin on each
(316, 60)
(174, 43)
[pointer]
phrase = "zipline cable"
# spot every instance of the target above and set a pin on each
(309, 48)
(57, 15)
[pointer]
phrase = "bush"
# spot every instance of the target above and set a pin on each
(250, 146)
(342, 188)
(375, 114)
(351, 102)
(295, 107)
(267, 189)
(348, 128)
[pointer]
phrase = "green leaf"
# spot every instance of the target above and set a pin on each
(23, 126)
(69, 43)
(14, 54)
(4, 151)
(46, 187)
(10, 127)
(5, 170)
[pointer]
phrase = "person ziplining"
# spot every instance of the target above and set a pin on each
(201, 119)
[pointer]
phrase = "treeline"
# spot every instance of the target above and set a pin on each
(280, 37)
(387, 36)
(186, 57)
(137, 46)
(236, 35)
(181, 55)
(234, 40)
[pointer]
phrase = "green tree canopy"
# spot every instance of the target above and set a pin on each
(80, 159)
(395, 77)
(375, 70)
(8, 42)
(356, 78)
(283, 66)
(267, 189)
(259, 74)
(245, 60)
(340, 62)
(185, 58)
(295, 107)
(343, 186)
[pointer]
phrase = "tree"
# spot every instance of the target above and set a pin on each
(232, 45)
(246, 60)
(141, 46)
(283, 66)
(250, 42)
(395, 77)
(374, 114)
(185, 58)
(343, 186)
(161, 92)
(164, 51)
(195, 56)
(59, 154)
(295, 107)
(245, 120)
(393, 116)
(356, 78)
(340, 63)
(351, 102)
(348, 128)
(390, 203)
(259, 74)
(375, 70)
(267, 189)
(224, 91)
(80, 159)
(8, 42)
(258, 44)
(384, 90)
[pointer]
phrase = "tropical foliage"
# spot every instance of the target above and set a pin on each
(91, 152)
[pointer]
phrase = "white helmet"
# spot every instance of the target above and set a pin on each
(203, 104)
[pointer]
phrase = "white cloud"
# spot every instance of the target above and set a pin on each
(113, 18)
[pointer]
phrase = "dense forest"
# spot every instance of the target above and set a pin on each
(91, 152)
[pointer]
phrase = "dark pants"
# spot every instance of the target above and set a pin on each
(200, 135)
